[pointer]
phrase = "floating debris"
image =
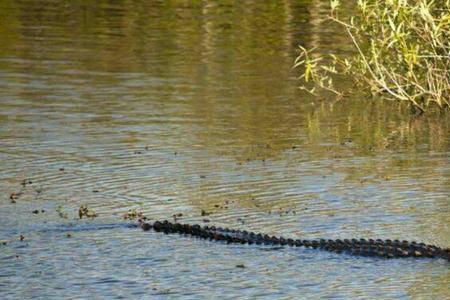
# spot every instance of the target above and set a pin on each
(61, 213)
(133, 214)
(68, 235)
(14, 196)
(86, 212)
(26, 182)
(176, 216)
(204, 213)
(38, 190)
(242, 266)
(22, 237)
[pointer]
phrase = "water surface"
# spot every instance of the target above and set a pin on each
(173, 107)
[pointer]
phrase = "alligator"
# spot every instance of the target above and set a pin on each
(359, 247)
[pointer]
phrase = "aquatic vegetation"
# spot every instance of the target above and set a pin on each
(402, 52)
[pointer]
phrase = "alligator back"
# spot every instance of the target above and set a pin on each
(360, 247)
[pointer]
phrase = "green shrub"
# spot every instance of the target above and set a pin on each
(402, 52)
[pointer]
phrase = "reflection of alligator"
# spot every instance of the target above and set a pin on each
(361, 247)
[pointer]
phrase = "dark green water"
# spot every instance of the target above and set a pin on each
(181, 106)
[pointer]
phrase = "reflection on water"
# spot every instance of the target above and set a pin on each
(176, 107)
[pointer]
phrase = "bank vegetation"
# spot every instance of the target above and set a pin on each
(402, 53)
